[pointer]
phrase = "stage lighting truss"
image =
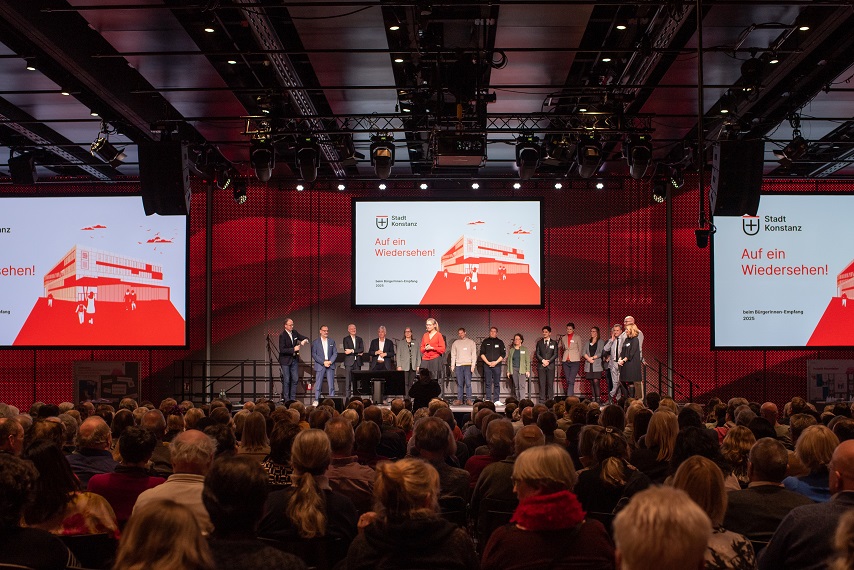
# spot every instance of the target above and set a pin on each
(307, 158)
(659, 189)
(637, 149)
(103, 149)
(239, 191)
(528, 152)
(382, 154)
(262, 157)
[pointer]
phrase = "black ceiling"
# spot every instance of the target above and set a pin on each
(341, 71)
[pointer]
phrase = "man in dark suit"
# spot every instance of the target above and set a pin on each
(354, 348)
(381, 351)
(323, 353)
(546, 353)
(290, 342)
(756, 512)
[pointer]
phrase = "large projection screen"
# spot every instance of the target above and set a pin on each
(785, 278)
(475, 253)
(91, 271)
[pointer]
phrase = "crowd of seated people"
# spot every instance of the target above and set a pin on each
(562, 484)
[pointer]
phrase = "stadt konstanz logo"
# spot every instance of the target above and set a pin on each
(750, 225)
(382, 222)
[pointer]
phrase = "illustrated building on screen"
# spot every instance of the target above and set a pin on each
(489, 257)
(109, 275)
(845, 282)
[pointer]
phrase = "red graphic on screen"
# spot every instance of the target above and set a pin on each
(520, 231)
(95, 297)
(476, 271)
(476, 223)
(834, 327)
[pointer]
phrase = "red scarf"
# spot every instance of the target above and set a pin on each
(549, 512)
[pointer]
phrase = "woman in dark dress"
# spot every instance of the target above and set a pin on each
(630, 358)
(592, 360)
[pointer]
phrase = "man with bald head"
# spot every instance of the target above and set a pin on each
(768, 410)
(192, 456)
(93, 456)
(161, 460)
(804, 540)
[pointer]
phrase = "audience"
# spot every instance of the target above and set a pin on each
(653, 457)
(612, 480)
(345, 474)
(11, 436)
(548, 528)
(434, 443)
(735, 448)
(814, 448)
(93, 454)
(254, 441)
(406, 530)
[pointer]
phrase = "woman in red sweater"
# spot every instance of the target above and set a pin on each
(432, 349)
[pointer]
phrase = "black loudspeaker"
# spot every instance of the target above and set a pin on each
(22, 168)
(339, 403)
(736, 177)
(164, 177)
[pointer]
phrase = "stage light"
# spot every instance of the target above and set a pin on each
(31, 64)
(424, 186)
(606, 60)
(516, 186)
(308, 158)
(262, 157)
(793, 151)
(677, 178)
(224, 177)
(637, 149)
(804, 28)
(22, 168)
(93, 114)
(209, 30)
(589, 156)
(600, 186)
(659, 189)
(341, 187)
(621, 27)
(702, 237)
(528, 153)
(382, 154)
(300, 187)
(398, 60)
(558, 185)
(103, 149)
(475, 185)
(394, 28)
(775, 59)
(382, 186)
(240, 191)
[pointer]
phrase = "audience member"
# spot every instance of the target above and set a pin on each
(368, 437)
(223, 435)
(424, 389)
(93, 454)
(499, 441)
(735, 448)
(163, 534)
(661, 529)
(131, 476)
(814, 448)
(161, 461)
(844, 543)
(704, 483)
(434, 443)
(406, 531)
(392, 441)
(345, 474)
(612, 481)
(192, 453)
(254, 441)
(58, 506)
(25, 547)
(11, 436)
(654, 457)
(278, 463)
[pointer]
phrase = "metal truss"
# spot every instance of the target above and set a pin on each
(510, 124)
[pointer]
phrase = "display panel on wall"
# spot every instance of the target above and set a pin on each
(486, 253)
(91, 271)
(785, 277)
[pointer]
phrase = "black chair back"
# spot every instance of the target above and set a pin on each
(320, 553)
(92, 550)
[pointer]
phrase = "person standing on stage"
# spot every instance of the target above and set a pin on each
(612, 350)
(381, 351)
(546, 353)
(518, 367)
(354, 348)
(323, 353)
(630, 359)
(593, 362)
(462, 364)
(637, 388)
(571, 361)
(408, 357)
(492, 353)
(290, 342)
(432, 349)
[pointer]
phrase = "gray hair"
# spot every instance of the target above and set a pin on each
(197, 451)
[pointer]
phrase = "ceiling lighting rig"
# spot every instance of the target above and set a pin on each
(103, 149)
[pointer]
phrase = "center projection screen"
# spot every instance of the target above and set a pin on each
(471, 253)
(785, 277)
(91, 271)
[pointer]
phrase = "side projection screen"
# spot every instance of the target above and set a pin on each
(91, 272)
(447, 252)
(785, 278)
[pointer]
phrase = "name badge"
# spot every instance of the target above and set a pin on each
(521, 352)
(627, 344)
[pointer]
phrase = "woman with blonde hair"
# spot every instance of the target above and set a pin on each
(815, 449)
(548, 528)
(163, 534)
(844, 544)
(309, 508)
(630, 364)
(254, 441)
(735, 448)
(703, 480)
(406, 530)
(612, 480)
(653, 457)
(404, 420)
